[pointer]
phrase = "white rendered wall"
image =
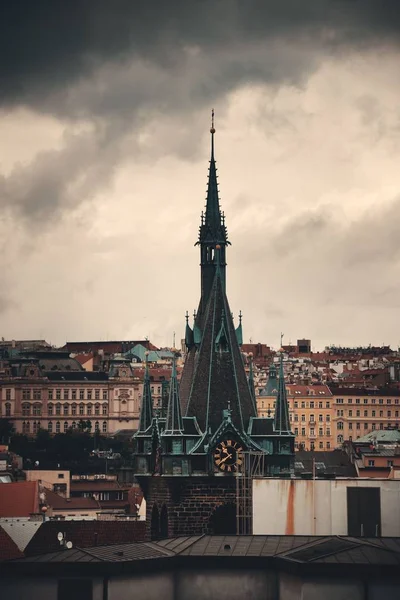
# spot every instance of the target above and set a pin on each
(285, 506)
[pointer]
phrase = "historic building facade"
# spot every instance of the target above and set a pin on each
(50, 390)
(188, 462)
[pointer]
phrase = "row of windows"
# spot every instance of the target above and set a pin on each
(366, 426)
(321, 445)
(27, 425)
(73, 394)
(65, 409)
(367, 401)
(303, 404)
(312, 431)
(340, 413)
(311, 418)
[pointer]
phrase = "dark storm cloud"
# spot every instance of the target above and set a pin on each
(49, 45)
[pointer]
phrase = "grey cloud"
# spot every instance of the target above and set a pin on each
(50, 45)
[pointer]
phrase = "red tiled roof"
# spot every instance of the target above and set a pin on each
(19, 499)
(83, 358)
(85, 534)
(8, 548)
(58, 502)
(308, 390)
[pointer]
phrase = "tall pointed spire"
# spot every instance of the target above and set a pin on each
(212, 230)
(146, 411)
(281, 420)
(251, 381)
(174, 424)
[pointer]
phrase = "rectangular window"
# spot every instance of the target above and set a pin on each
(73, 394)
(328, 405)
(358, 400)
(328, 432)
(373, 413)
(328, 445)
(50, 395)
(320, 432)
(373, 400)
(371, 463)
(339, 400)
(312, 404)
(388, 401)
(74, 409)
(8, 410)
(296, 431)
(104, 409)
(350, 413)
(381, 413)
(320, 405)
(358, 426)
(350, 426)
(65, 409)
(380, 400)
(396, 401)
(81, 409)
(8, 394)
(296, 418)
(365, 425)
(350, 400)
(303, 431)
(389, 414)
(365, 413)
(37, 394)
(97, 394)
(312, 431)
(89, 394)
(58, 394)
(105, 397)
(357, 413)
(303, 418)
(81, 394)
(303, 404)
(66, 394)
(365, 400)
(321, 445)
(26, 394)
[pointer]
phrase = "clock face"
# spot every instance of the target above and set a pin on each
(227, 456)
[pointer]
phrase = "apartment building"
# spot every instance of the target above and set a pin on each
(310, 413)
(357, 411)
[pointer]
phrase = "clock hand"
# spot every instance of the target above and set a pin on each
(226, 458)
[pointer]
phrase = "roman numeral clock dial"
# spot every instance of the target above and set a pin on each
(228, 456)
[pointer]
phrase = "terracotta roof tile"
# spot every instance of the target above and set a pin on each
(19, 499)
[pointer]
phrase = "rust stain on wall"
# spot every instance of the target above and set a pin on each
(290, 509)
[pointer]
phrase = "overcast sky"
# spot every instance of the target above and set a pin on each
(104, 148)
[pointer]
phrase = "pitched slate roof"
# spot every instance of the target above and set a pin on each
(219, 377)
(85, 534)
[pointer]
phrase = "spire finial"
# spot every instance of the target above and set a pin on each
(212, 131)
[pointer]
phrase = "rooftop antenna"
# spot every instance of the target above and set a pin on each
(62, 538)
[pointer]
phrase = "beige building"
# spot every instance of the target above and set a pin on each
(58, 400)
(310, 413)
(359, 411)
(56, 481)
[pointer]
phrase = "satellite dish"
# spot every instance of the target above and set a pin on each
(60, 536)
(69, 545)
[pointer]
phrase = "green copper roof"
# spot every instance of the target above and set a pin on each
(219, 376)
(271, 389)
(281, 420)
(381, 436)
(146, 410)
(174, 423)
(251, 384)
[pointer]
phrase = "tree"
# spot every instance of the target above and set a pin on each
(6, 431)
